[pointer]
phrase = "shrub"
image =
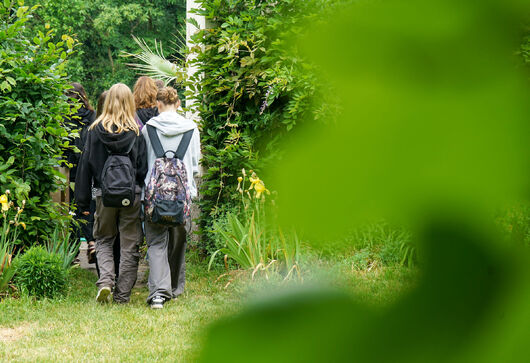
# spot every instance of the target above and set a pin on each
(32, 106)
(40, 274)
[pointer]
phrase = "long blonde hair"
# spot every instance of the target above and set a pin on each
(118, 111)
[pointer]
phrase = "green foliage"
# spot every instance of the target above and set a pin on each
(105, 29)
(251, 239)
(255, 89)
(32, 106)
(252, 246)
(61, 244)
(362, 260)
(10, 229)
(377, 242)
(40, 273)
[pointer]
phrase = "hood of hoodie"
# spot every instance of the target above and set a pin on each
(117, 143)
(171, 124)
(145, 114)
(85, 115)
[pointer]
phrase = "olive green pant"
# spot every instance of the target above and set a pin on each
(107, 221)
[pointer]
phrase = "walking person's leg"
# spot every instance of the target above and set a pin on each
(177, 259)
(117, 255)
(88, 232)
(104, 233)
(159, 281)
(130, 237)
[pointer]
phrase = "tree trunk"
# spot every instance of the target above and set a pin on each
(111, 60)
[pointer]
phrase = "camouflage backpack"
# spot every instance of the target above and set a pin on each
(167, 196)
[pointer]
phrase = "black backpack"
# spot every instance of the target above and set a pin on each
(118, 179)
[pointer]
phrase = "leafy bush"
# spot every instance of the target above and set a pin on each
(40, 273)
(255, 89)
(32, 106)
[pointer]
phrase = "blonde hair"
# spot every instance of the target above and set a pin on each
(118, 111)
(168, 96)
(145, 91)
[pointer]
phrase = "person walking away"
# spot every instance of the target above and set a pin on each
(112, 160)
(80, 121)
(116, 247)
(166, 245)
(145, 91)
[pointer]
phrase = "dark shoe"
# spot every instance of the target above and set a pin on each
(157, 302)
(91, 252)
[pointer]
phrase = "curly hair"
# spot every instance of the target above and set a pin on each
(168, 96)
(144, 92)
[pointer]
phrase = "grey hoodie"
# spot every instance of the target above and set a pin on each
(170, 127)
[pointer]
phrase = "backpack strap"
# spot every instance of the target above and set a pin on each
(184, 144)
(155, 141)
(131, 146)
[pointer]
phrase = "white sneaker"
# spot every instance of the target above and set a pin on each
(103, 294)
(157, 302)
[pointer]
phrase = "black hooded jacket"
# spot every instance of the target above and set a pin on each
(145, 114)
(81, 121)
(95, 154)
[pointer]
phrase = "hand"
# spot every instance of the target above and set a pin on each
(87, 213)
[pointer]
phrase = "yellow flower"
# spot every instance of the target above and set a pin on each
(47, 26)
(23, 225)
(260, 188)
(240, 179)
(3, 198)
(5, 207)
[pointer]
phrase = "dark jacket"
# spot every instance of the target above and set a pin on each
(81, 121)
(95, 154)
(145, 114)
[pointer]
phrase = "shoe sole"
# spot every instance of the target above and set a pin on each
(103, 295)
(156, 306)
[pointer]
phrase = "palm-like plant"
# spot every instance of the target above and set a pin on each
(154, 63)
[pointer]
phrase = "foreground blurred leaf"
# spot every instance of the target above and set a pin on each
(433, 132)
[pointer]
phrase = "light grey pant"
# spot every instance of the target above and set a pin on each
(106, 224)
(166, 250)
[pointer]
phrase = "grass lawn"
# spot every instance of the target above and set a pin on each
(76, 328)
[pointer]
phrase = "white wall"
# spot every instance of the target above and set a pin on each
(190, 30)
